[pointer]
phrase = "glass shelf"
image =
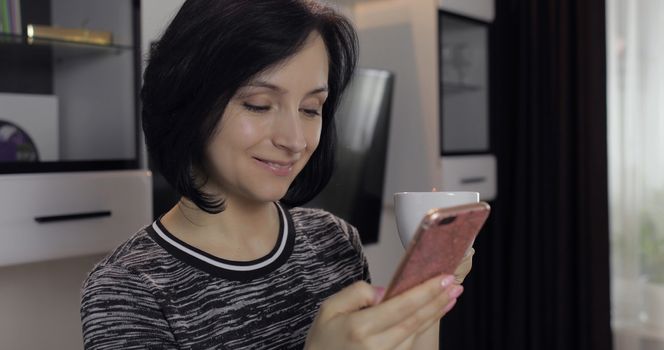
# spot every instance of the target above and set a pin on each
(64, 47)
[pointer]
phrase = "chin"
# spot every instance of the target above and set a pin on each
(268, 190)
(270, 195)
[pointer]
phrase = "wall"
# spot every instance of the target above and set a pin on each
(40, 303)
(155, 15)
(108, 122)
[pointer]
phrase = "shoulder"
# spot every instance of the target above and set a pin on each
(333, 237)
(120, 307)
(123, 266)
(319, 221)
(315, 219)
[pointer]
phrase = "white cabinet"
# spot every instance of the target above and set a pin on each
(52, 216)
(479, 9)
(73, 107)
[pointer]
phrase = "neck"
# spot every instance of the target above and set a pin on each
(243, 231)
(238, 218)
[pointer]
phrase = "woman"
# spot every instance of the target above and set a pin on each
(238, 105)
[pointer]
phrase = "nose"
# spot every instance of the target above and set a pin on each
(289, 132)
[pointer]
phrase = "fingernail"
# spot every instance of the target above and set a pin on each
(449, 306)
(379, 293)
(447, 281)
(455, 292)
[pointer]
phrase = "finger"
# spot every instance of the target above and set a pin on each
(352, 298)
(450, 305)
(470, 252)
(419, 321)
(432, 316)
(428, 338)
(379, 294)
(406, 344)
(464, 268)
(391, 312)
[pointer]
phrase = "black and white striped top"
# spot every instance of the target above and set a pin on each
(157, 292)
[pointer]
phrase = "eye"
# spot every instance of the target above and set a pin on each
(311, 112)
(256, 108)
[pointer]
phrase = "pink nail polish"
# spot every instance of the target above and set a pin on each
(455, 291)
(379, 293)
(449, 306)
(447, 281)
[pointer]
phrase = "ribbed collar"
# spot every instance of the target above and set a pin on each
(229, 269)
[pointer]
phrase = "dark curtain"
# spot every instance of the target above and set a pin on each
(541, 272)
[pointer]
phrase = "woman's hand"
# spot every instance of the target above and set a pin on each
(464, 267)
(354, 318)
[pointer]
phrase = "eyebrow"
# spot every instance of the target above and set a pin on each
(281, 90)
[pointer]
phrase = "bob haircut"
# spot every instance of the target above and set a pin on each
(210, 50)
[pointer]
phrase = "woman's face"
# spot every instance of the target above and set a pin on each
(270, 128)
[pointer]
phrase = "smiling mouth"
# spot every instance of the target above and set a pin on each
(276, 164)
(279, 168)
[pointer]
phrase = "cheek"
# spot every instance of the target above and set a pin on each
(313, 136)
(233, 136)
(244, 129)
(239, 133)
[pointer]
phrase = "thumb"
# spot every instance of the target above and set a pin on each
(352, 298)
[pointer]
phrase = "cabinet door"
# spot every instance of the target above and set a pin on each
(480, 9)
(464, 110)
(66, 103)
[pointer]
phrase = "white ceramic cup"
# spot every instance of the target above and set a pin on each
(410, 208)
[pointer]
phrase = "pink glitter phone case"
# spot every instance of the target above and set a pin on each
(442, 239)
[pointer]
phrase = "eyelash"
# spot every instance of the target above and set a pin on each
(263, 109)
(258, 109)
(311, 112)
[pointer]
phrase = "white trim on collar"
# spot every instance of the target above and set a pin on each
(197, 255)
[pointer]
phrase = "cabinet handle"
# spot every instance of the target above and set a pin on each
(473, 180)
(74, 216)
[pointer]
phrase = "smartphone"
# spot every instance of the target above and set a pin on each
(439, 245)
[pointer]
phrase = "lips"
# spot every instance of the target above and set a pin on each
(277, 167)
